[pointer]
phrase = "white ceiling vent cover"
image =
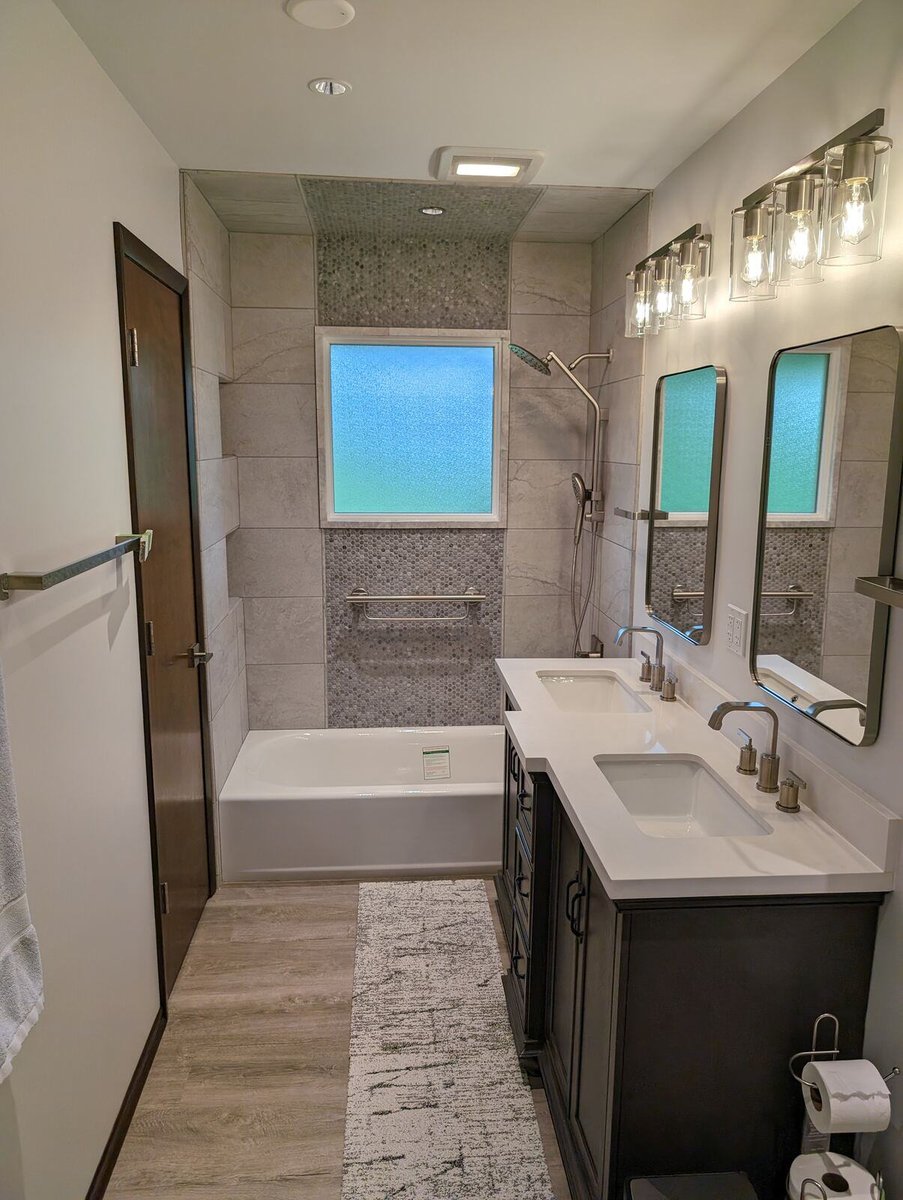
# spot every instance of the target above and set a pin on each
(482, 164)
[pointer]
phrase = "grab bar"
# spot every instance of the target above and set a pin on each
(36, 581)
(792, 593)
(363, 598)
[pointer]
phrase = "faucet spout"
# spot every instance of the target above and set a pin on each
(658, 670)
(770, 763)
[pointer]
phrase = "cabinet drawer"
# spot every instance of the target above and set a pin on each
(523, 879)
(520, 961)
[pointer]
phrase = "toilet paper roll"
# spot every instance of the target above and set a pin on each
(852, 1097)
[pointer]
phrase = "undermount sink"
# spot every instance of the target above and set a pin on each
(678, 796)
(590, 692)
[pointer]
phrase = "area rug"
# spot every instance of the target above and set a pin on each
(437, 1107)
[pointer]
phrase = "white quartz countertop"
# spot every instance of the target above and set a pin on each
(801, 854)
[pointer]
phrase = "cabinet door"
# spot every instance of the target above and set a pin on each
(563, 951)
(597, 921)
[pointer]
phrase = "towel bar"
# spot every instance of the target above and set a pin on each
(37, 581)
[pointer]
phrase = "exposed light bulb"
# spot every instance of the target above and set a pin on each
(689, 287)
(855, 202)
(802, 244)
(643, 312)
(754, 266)
(664, 301)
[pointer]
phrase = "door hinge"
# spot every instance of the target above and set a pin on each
(133, 347)
(150, 645)
(164, 898)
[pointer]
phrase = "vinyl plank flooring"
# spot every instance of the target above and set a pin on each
(246, 1097)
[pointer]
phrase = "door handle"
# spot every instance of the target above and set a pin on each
(196, 656)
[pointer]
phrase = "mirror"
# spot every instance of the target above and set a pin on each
(688, 435)
(828, 513)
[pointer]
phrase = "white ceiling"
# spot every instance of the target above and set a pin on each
(616, 93)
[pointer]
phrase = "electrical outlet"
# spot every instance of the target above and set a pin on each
(736, 629)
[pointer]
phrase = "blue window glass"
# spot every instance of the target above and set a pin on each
(686, 433)
(797, 426)
(412, 428)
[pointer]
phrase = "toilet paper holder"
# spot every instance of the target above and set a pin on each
(832, 1052)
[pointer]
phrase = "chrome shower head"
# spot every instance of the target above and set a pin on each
(531, 359)
(581, 492)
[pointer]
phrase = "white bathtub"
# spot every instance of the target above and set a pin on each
(346, 803)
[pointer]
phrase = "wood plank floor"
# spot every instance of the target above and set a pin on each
(246, 1097)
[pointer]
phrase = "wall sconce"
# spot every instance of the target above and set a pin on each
(856, 194)
(827, 210)
(669, 286)
(753, 274)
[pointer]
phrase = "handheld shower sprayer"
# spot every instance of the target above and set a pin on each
(582, 496)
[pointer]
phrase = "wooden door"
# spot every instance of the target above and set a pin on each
(160, 427)
(563, 951)
(597, 919)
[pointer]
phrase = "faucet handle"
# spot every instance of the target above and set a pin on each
(789, 797)
(645, 667)
(748, 756)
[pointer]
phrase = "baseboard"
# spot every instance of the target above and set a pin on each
(111, 1150)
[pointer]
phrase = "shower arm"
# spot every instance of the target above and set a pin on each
(568, 369)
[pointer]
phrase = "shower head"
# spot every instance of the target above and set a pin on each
(531, 359)
(581, 493)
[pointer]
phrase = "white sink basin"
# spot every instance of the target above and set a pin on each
(591, 692)
(678, 796)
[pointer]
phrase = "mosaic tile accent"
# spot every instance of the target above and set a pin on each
(678, 562)
(411, 673)
(795, 556)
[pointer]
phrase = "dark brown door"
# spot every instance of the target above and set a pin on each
(153, 308)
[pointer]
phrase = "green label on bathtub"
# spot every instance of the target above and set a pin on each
(437, 763)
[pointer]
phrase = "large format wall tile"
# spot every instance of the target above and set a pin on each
(273, 345)
(217, 499)
(287, 696)
(625, 244)
(568, 336)
(207, 428)
(276, 562)
(261, 420)
(538, 562)
(206, 242)
(278, 493)
(413, 673)
(860, 495)
(540, 494)
(538, 627)
(225, 665)
(272, 271)
(284, 630)
(211, 329)
(550, 278)
(546, 423)
(622, 430)
(228, 728)
(614, 583)
(216, 584)
(848, 624)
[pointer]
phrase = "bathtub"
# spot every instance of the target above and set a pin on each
(356, 803)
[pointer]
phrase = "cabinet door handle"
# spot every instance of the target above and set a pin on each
(518, 880)
(521, 797)
(571, 905)
(515, 959)
(568, 900)
(575, 915)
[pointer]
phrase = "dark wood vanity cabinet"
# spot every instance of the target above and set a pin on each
(667, 1025)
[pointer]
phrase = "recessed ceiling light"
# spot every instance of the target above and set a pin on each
(489, 170)
(485, 164)
(431, 211)
(329, 87)
(320, 14)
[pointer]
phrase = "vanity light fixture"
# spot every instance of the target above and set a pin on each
(826, 210)
(329, 87)
(669, 286)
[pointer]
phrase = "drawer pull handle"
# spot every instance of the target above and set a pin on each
(515, 959)
(521, 797)
(572, 906)
(518, 880)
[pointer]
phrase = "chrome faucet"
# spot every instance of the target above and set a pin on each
(770, 763)
(658, 668)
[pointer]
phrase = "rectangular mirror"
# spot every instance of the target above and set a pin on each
(828, 513)
(688, 437)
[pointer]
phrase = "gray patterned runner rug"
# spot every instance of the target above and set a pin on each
(437, 1108)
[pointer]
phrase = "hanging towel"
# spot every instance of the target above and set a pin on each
(21, 981)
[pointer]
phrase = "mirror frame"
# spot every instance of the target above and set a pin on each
(711, 545)
(886, 549)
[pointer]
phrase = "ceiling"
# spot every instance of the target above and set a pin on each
(616, 93)
(247, 202)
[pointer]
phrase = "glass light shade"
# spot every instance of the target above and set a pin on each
(753, 268)
(692, 279)
(799, 230)
(639, 316)
(855, 181)
(664, 295)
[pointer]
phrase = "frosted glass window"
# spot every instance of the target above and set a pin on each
(797, 428)
(687, 429)
(412, 429)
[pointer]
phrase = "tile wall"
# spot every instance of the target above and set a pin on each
(209, 277)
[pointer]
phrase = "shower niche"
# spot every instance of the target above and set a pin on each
(684, 497)
(829, 507)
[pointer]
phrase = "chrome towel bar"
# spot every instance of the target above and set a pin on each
(362, 599)
(36, 581)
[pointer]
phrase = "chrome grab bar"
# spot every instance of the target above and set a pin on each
(791, 593)
(363, 598)
(37, 581)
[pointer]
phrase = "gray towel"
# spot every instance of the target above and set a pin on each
(21, 981)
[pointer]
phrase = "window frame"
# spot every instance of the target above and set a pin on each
(832, 426)
(327, 336)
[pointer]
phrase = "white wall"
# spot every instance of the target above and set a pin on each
(75, 158)
(855, 68)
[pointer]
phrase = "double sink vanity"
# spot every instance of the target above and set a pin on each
(672, 933)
